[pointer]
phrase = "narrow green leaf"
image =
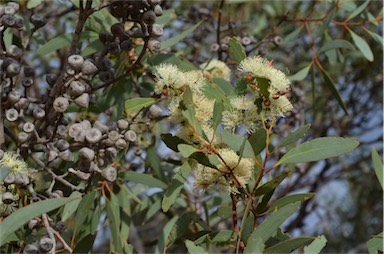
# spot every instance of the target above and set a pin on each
(362, 45)
(172, 141)
(335, 44)
(254, 246)
(375, 244)
(136, 104)
(247, 227)
(223, 236)
(59, 42)
(300, 75)
(224, 211)
(319, 149)
(175, 186)
(85, 245)
(290, 199)
(288, 246)
(236, 49)
(211, 160)
(316, 246)
(85, 206)
(218, 109)
(270, 185)
(378, 38)
(161, 243)
(152, 160)
(180, 227)
(17, 219)
(187, 97)
(269, 226)
(92, 47)
(264, 85)
(377, 166)
(175, 39)
(33, 3)
(235, 142)
(143, 179)
(71, 207)
(186, 150)
(193, 249)
(301, 132)
(4, 173)
(190, 115)
(8, 37)
(225, 85)
(358, 10)
(331, 85)
(113, 215)
(258, 140)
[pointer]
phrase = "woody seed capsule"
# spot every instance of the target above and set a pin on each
(11, 114)
(13, 96)
(87, 154)
(109, 174)
(83, 100)
(93, 135)
(130, 136)
(75, 62)
(88, 68)
(8, 198)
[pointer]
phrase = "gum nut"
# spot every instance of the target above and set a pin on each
(22, 137)
(62, 145)
(136, 32)
(51, 78)
(13, 69)
(74, 129)
(88, 68)
(105, 37)
(246, 41)
(13, 96)
(277, 40)
(117, 29)
(11, 114)
(80, 136)
(85, 124)
(122, 124)
(155, 111)
(60, 104)
(51, 155)
(28, 127)
(99, 125)
(76, 88)
(113, 135)
(60, 226)
(9, 10)
(21, 179)
(10, 179)
(158, 10)
(45, 244)
(33, 224)
(27, 82)
(61, 131)
(58, 193)
(31, 249)
(83, 100)
(149, 17)
(7, 198)
(154, 2)
(38, 20)
(19, 23)
(23, 103)
(14, 5)
(39, 113)
(93, 135)
(14, 51)
(75, 62)
(154, 46)
(130, 136)
(111, 152)
(121, 143)
(109, 174)
(67, 156)
(157, 30)
(87, 154)
(7, 20)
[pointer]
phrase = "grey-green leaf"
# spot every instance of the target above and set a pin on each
(300, 75)
(175, 39)
(136, 104)
(193, 249)
(358, 10)
(377, 166)
(319, 149)
(335, 44)
(17, 219)
(362, 45)
(235, 142)
(301, 132)
(236, 49)
(316, 246)
(33, 3)
(186, 150)
(289, 245)
(143, 179)
(290, 199)
(59, 42)
(71, 207)
(4, 172)
(258, 140)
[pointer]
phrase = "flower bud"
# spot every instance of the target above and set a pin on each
(22, 137)
(126, 45)
(117, 29)
(105, 37)
(9, 10)
(39, 113)
(62, 145)
(8, 20)
(14, 51)
(158, 10)
(111, 152)
(109, 174)
(21, 179)
(149, 17)
(122, 124)
(99, 125)
(136, 32)
(51, 155)
(75, 62)
(277, 40)
(19, 23)
(154, 112)
(130, 136)
(10, 179)
(27, 82)
(114, 48)
(83, 100)
(13, 69)
(60, 226)
(28, 127)
(23, 103)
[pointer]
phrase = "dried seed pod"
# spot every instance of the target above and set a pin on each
(154, 112)
(126, 45)
(38, 21)
(75, 62)
(157, 30)
(60, 104)
(111, 152)
(114, 48)
(113, 135)
(60, 226)
(12, 114)
(122, 124)
(83, 100)
(51, 155)
(99, 125)
(121, 144)
(27, 82)
(19, 23)
(149, 17)
(154, 46)
(93, 135)
(62, 145)
(13, 96)
(7, 198)
(76, 88)
(130, 136)
(31, 249)
(109, 173)
(277, 40)
(117, 29)
(23, 103)
(51, 78)
(136, 32)
(88, 68)
(21, 179)
(14, 51)
(22, 137)
(32, 224)
(28, 127)
(39, 113)
(46, 244)
(158, 10)
(8, 20)
(13, 69)
(87, 154)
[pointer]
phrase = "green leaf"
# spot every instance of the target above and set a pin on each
(224, 211)
(269, 226)
(375, 244)
(264, 85)
(378, 38)
(137, 104)
(175, 39)
(193, 249)
(8, 37)
(319, 149)
(254, 246)
(247, 227)
(180, 227)
(210, 160)
(358, 10)
(223, 236)
(225, 85)
(270, 185)
(316, 246)
(258, 140)
(85, 206)
(186, 150)
(288, 246)
(377, 166)
(59, 42)
(235, 142)
(290, 199)
(92, 47)
(17, 219)
(362, 45)
(218, 109)
(143, 179)
(113, 216)
(335, 44)
(175, 186)
(236, 49)
(152, 160)
(71, 207)
(300, 75)
(85, 245)
(299, 133)
(4, 171)
(331, 85)
(161, 243)
(33, 3)
(190, 115)
(172, 141)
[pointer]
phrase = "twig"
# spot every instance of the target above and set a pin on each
(220, 51)
(49, 231)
